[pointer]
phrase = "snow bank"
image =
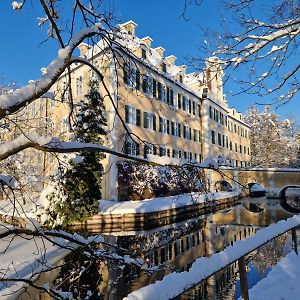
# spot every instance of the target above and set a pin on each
(282, 281)
(21, 258)
(161, 203)
(205, 266)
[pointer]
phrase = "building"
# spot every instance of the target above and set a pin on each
(153, 106)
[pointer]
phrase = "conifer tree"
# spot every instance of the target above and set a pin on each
(80, 184)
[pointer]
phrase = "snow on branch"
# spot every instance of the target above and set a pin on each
(51, 144)
(10, 103)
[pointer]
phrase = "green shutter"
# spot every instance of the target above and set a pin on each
(138, 79)
(138, 117)
(126, 114)
(154, 122)
(146, 123)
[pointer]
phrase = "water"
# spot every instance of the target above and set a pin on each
(175, 247)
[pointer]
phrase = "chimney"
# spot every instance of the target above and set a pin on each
(183, 69)
(147, 40)
(44, 71)
(83, 49)
(171, 59)
(160, 50)
(130, 27)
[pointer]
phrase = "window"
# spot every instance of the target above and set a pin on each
(197, 135)
(236, 148)
(132, 115)
(241, 149)
(145, 84)
(65, 92)
(213, 137)
(131, 148)
(149, 120)
(33, 110)
(64, 125)
(154, 87)
(162, 151)
(190, 106)
(159, 90)
(175, 129)
(175, 153)
(219, 139)
(210, 112)
(149, 149)
(164, 67)
(180, 78)
(164, 125)
(185, 104)
(230, 145)
(79, 82)
(129, 75)
(187, 132)
(223, 141)
(170, 96)
(144, 53)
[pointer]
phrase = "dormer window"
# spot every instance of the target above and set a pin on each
(180, 78)
(164, 67)
(144, 53)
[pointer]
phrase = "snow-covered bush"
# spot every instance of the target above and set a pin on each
(140, 181)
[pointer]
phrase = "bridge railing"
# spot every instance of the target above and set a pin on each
(206, 267)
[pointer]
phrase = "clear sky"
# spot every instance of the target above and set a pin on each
(24, 50)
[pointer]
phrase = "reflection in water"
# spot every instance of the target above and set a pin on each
(175, 247)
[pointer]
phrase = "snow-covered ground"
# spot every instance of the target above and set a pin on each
(22, 257)
(161, 203)
(282, 282)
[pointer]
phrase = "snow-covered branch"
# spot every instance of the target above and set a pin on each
(54, 145)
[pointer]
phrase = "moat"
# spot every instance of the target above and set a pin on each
(175, 247)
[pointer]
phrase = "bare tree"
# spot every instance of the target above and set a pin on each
(263, 41)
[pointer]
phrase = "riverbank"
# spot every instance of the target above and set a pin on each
(151, 213)
(26, 258)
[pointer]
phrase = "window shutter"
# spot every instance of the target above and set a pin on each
(125, 74)
(126, 114)
(172, 128)
(168, 95)
(154, 84)
(179, 130)
(138, 80)
(172, 97)
(138, 117)
(146, 121)
(190, 129)
(154, 122)
(168, 127)
(146, 150)
(190, 106)
(160, 124)
(179, 101)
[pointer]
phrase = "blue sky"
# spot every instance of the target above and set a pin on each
(24, 49)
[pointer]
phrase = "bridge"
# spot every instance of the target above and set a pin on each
(275, 180)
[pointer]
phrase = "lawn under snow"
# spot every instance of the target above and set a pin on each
(161, 203)
(175, 283)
